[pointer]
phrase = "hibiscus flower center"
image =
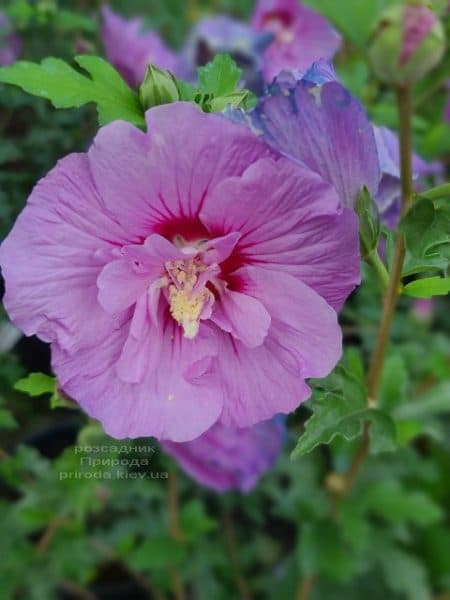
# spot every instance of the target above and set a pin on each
(280, 23)
(189, 299)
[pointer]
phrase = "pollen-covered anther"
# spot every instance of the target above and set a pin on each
(286, 36)
(187, 300)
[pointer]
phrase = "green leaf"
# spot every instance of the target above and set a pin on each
(20, 11)
(36, 384)
(238, 99)
(435, 544)
(426, 229)
(91, 433)
(434, 401)
(356, 21)
(394, 382)
(323, 550)
(389, 500)
(219, 77)
(158, 552)
(404, 573)
(383, 433)
(7, 421)
(66, 87)
(355, 524)
(437, 141)
(419, 219)
(339, 406)
(186, 90)
(194, 521)
(58, 400)
(407, 431)
(437, 193)
(334, 414)
(72, 21)
(428, 287)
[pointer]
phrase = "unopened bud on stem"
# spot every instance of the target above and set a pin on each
(408, 42)
(159, 87)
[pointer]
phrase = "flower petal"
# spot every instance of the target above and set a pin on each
(118, 162)
(194, 164)
(304, 341)
(303, 36)
(219, 249)
(309, 324)
(177, 400)
(152, 180)
(142, 347)
(227, 458)
(292, 221)
(325, 128)
(387, 197)
(124, 280)
(54, 254)
(258, 382)
(119, 287)
(130, 49)
(244, 317)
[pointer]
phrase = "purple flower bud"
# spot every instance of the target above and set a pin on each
(409, 41)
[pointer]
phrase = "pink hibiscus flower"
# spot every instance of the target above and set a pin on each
(130, 49)
(183, 276)
(302, 36)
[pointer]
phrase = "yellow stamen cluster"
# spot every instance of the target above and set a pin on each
(186, 306)
(286, 36)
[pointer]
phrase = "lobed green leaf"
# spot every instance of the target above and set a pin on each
(66, 87)
(220, 77)
(340, 409)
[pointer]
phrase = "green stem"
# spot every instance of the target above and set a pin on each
(379, 267)
(175, 533)
(306, 587)
(390, 300)
(233, 551)
(437, 193)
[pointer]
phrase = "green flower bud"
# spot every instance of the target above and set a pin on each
(159, 87)
(369, 223)
(408, 42)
